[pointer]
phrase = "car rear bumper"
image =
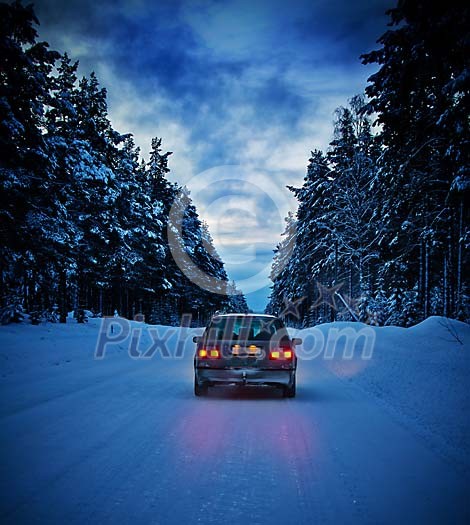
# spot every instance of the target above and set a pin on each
(245, 376)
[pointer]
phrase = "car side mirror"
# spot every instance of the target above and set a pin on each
(297, 341)
(197, 339)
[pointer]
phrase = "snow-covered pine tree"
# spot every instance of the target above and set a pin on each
(337, 227)
(355, 226)
(237, 299)
(25, 184)
(83, 217)
(420, 97)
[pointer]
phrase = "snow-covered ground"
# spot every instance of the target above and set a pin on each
(121, 440)
(422, 372)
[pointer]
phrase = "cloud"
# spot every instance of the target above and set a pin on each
(238, 83)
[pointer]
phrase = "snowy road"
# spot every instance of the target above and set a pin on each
(122, 440)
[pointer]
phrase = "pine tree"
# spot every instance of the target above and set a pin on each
(421, 97)
(83, 217)
(24, 166)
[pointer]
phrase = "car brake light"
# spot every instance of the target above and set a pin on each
(211, 354)
(281, 354)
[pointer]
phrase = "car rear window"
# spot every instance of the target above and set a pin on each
(244, 328)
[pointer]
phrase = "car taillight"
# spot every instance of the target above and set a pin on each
(281, 355)
(213, 353)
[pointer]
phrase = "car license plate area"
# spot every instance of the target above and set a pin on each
(245, 355)
(246, 351)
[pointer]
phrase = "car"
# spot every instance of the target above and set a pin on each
(245, 349)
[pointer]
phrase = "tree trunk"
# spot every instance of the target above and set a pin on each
(350, 282)
(336, 262)
(459, 259)
(426, 279)
(445, 291)
(2, 281)
(450, 277)
(100, 307)
(421, 275)
(62, 296)
(361, 277)
(25, 291)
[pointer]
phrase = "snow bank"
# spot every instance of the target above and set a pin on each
(24, 347)
(27, 348)
(422, 373)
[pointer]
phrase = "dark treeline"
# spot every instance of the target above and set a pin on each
(82, 218)
(383, 218)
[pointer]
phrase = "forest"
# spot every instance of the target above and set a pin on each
(83, 217)
(381, 231)
(380, 234)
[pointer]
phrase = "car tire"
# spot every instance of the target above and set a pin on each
(289, 391)
(199, 390)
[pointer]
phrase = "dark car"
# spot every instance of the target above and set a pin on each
(245, 349)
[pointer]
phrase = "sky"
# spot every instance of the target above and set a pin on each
(240, 91)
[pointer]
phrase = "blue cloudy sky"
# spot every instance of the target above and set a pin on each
(241, 92)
